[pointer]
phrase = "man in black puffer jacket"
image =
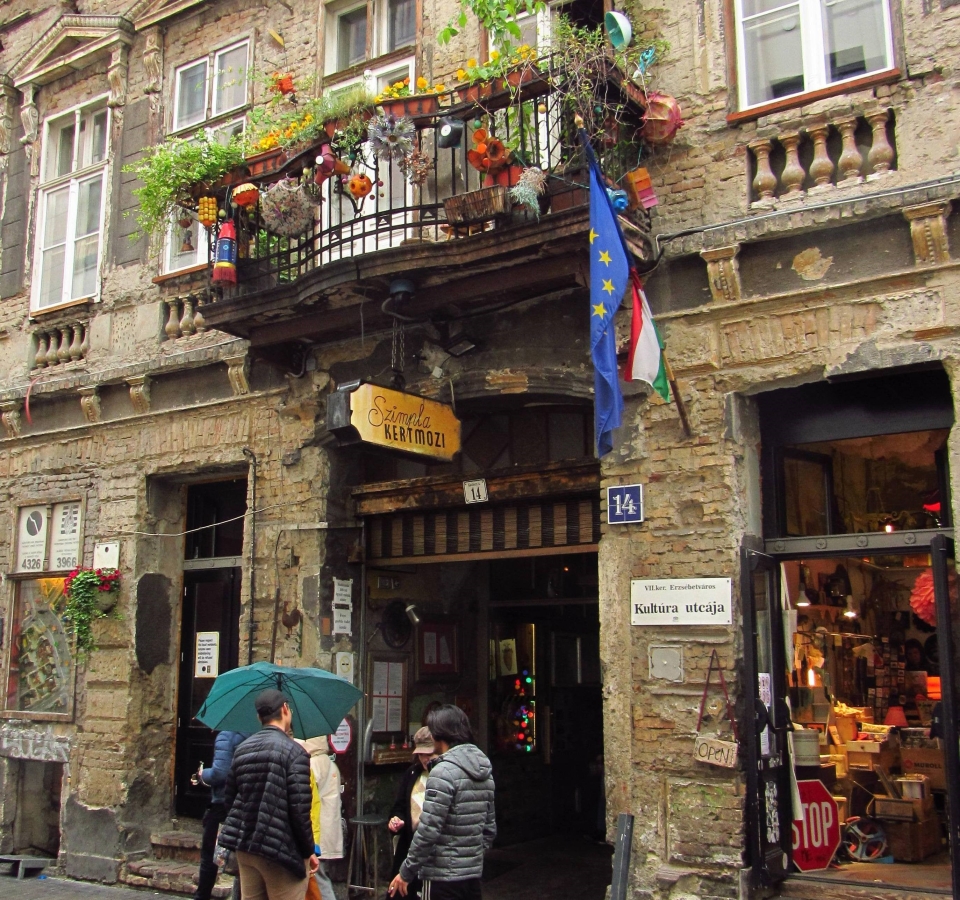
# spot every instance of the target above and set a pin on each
(268, 796)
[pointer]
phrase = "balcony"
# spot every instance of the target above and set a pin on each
(310, 286)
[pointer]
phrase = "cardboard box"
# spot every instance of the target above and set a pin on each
(893, 808)
(925, 761)
(913, 841)
(873, 755)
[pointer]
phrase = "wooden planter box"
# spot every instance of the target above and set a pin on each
(567, 196)
(418, 106)
(477, 206)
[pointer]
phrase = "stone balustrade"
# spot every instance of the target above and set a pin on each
(57, 345)
(819, 156)
(184, 316)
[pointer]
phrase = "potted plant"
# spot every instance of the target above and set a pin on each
(398, 100)
(90, 595)
(172, 173)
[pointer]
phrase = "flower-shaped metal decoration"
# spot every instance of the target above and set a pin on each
(392, 137)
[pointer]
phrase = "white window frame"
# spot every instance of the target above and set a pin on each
(72, 181)
(812, 49)
(211, 83)
(334, 12)
(382, 30)
(201, 254)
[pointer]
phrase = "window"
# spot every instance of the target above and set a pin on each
(392, 26)
(211, 87)
(352, 37)
(70, 207)
(40, 670)
(401, 27)
(788, 48)
(202, 101)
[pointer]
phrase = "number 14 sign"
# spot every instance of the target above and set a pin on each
(625, 504)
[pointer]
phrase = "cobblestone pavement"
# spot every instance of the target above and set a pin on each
(50, 888)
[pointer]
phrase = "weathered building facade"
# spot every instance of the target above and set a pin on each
(805, 297)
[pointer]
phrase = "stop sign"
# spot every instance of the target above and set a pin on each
(816, 834)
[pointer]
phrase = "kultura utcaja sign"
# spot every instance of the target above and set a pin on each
(680, 601)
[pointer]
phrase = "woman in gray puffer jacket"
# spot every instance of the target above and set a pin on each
(457, 824)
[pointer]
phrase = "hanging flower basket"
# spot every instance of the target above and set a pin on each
(287, 208)
(90, 594)
(662, 120)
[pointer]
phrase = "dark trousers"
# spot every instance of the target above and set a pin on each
(468, 889)
(212, 820)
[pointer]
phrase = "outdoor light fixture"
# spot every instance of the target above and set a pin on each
(449, 133)
(803, 600)
(851, 611)
(412, 614)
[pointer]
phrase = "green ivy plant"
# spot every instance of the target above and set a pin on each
(499, 17)
(168, 171)
(84, 590)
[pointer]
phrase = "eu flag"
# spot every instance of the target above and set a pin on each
(609, 274)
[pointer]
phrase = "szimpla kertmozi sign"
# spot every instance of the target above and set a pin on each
(681, 601)
(394, 420)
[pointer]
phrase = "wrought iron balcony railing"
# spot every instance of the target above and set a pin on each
(531, 119)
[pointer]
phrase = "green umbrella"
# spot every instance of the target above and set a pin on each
(318, 699)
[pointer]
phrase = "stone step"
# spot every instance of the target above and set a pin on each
(170, 876)
(179, 845)
(800, 888)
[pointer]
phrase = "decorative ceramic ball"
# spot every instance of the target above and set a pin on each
(360, 185)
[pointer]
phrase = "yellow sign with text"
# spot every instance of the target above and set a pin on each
(406, 422)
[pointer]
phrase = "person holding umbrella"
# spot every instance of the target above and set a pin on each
(215, 777)
(268, 797)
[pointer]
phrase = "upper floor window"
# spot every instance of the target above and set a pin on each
(211, 87)
(788, 48)
(392, 25)
(70, 206)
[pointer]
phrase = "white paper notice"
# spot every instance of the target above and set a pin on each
(342, 620)
(207, 661)
(395, 680)
(766, 696)
(430, 648)
(380, 673)
(31, 538)
(394, 714)
(341, 738)
(445, 658)
(343, 591)
(65, 538)
(379, 713)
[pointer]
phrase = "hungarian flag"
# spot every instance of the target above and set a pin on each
(645, 362)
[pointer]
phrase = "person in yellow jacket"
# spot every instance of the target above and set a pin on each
(325, 810)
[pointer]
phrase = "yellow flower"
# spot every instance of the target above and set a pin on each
(439, 88)
(494, 55)
(524, 48)
(378, 98)
(471, 63)
(397, 85)
(422, 83)
(461, 74)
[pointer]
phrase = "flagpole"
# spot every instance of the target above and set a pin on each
(681, 407)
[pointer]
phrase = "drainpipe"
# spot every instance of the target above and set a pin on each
(247, 452)
(362, 737)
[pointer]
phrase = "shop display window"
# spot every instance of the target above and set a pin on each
(890, 482)
(40, 678)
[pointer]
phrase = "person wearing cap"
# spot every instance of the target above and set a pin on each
(268, 797)
(458, 821)
(405, 815)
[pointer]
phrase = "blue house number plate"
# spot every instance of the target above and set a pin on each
(625, 504)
